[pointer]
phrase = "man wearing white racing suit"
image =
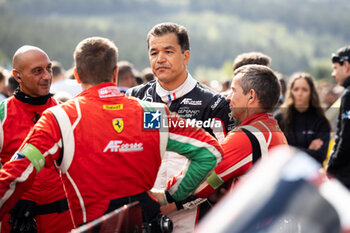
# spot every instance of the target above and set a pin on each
(169, 54)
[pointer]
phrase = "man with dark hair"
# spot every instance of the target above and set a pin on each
(147, 74)
(107, 157)
(126, 77)
(62, 86)
(169, 54)
(57, 72)
(12, 85)
(251, 58)
(44, 207)
(339, 161)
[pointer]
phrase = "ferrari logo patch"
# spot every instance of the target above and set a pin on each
(118, 124)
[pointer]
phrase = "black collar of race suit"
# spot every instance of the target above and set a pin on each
(31, 100)
(346, 82)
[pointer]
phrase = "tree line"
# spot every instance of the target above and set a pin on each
(298, 35)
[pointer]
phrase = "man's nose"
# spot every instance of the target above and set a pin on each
(333, 74)
(161, 57)
(228, 98)
(47, 75)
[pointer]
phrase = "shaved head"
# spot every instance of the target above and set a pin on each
(32, 69)
(22, 53)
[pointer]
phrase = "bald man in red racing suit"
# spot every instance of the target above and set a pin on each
(18, 114)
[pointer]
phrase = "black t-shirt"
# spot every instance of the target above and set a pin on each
(306, 127)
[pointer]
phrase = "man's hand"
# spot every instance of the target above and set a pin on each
(160, 196)
(168, 209)
(23, 217)
(316, 144)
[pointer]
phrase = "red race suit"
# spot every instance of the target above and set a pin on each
(16, 120)
(238, 152)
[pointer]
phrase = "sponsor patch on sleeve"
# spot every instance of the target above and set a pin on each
(113, 107)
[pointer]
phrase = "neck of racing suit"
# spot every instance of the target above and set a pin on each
(31, 100)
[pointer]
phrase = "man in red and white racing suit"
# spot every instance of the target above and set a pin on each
(254, 93)
(238, 150)
(103, 147)
(18, 114)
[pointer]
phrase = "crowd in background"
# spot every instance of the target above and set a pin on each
(65, 87)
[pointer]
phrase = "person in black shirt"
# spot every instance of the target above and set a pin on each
(339, 162)
(302, 119)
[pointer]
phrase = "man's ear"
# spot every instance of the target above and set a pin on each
(252, 94)
(187, 55)
(76, 75)
(16, 75)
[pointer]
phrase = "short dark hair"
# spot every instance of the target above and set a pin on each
(342, 55)
(263, 81)
(95, 60)
(250, 58)
(166, 28)
(147, 74)
(124, 67)
(12, 84)
(57, 68)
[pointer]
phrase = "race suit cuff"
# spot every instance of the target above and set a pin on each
(179, 205)
(168, 197)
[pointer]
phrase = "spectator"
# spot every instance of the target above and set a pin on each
(138, 78)
(302, 118)
(251, 58)
(2, 84)
(147, 74)
(44, 207)
(126, 77)
(283, 84)
(169, 54)
(12, 85)
(226, 86)
(339, 162)
(106, 157)
(70, 73)
(65, 86)
(57, 72)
